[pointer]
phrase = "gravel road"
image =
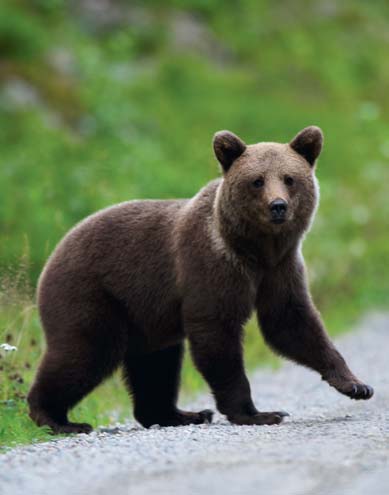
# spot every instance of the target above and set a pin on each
(329, 445)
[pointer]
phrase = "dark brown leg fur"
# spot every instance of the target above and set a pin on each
(217, 353)
(153, 379)
(298, 335)
(292, 327)
(62, 381)
(78, 358)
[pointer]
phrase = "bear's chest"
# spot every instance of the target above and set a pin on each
(238, 300)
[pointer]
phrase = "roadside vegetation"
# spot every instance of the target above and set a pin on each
(101, 106)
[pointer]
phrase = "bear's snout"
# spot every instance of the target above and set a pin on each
(278, 209)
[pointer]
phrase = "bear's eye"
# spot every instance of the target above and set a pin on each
(289, 181)
(258, 183)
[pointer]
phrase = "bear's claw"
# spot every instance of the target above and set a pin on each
(260, 418)
(361, 391)
(71, 428)
(206, 415)
(177, 418)
(357, 391)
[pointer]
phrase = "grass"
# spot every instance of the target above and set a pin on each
(92, 114)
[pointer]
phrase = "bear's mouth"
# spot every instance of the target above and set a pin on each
(278, 220)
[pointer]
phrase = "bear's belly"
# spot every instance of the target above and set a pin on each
(155, 326)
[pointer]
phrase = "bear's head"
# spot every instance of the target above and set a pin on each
(268, 187)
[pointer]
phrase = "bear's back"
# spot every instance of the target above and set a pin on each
(127, 253)
(117, 242)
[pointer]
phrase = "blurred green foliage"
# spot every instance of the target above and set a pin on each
(106, 101)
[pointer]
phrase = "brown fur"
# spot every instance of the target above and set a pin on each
(127, 285)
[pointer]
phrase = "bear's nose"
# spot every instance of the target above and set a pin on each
(278, 209)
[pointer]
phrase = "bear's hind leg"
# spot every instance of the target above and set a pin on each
(63, 379)
(80, 355)
(55, 391)
(153, 380)
(52, 395)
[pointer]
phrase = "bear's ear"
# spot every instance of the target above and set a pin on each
(227, 147)
(308, 143)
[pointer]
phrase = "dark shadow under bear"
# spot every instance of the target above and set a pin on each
(128, 284)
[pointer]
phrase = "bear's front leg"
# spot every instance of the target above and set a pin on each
(216, 348)
(291, 325)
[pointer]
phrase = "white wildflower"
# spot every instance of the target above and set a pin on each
(8, 348)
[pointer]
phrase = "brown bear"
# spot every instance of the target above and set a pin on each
(127, 285)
